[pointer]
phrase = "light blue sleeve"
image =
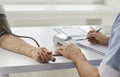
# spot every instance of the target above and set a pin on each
(114, 50)
(113, 55)
(110, 66)
(107, 71)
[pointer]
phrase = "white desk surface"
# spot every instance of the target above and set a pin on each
(15, 63)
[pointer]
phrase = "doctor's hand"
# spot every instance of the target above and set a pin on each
(97, 38)
(42, 55)
(71, 51)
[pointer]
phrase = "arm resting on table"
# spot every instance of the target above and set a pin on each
(16, 44)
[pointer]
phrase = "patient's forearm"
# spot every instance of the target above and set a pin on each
(16, 44)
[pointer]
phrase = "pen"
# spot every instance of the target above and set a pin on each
(98, 30)
(87, 37)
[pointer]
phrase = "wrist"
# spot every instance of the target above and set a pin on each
(106, 40)
(78, 58)
(79, 61)
(33, 51)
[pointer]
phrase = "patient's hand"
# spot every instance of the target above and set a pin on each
(42, 55)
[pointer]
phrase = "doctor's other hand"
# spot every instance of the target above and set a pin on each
(42, 55)
(71, 51)
(97, 38)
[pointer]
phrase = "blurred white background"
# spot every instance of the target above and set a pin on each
(59, 12)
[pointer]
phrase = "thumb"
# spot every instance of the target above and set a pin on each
(58, 52)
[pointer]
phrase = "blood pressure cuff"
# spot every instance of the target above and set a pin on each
(4, 27)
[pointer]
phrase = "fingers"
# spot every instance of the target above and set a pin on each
(92, 40)
(43, 55)
(48, 55)
(40, 56)
(53, 59)
(93, 37)
(70, 51)
(61, 49)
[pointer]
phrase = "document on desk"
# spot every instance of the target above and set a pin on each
(71, 31)
(95, 48)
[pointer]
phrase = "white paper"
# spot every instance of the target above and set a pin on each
(73, 31)
(98, 48)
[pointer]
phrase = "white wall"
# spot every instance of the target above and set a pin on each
(51, 15)
(19, 17)
(51, 1)
(113, 3)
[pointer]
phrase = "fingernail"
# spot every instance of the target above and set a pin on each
(53, 59)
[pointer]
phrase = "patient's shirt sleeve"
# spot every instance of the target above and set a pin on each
(4, 27)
